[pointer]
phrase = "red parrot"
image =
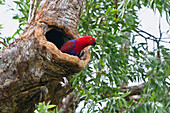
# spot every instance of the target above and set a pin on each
(75, 46)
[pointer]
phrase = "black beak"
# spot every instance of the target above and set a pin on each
(94, 43)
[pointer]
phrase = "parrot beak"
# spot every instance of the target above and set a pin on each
(94, 43)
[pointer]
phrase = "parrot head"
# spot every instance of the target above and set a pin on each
(88, 40)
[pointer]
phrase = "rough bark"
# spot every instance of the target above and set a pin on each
(32, 67)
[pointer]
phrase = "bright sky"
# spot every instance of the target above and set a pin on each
(9, 25)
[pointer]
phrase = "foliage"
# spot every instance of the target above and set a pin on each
(117, 59)
(2, 2)
(22, 17)
(44, 108)
(160, 5)
(6, 40)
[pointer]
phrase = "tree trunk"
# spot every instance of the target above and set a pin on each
(32, 67)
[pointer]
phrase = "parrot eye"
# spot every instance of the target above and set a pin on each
(91, 39)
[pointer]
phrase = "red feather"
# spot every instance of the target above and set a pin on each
(75, 46)
(67, 47)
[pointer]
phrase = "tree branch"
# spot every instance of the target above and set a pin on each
(134, 90)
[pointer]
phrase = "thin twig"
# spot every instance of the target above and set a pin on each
(147, 44)
(160, 33)
(154, 38)
(34, 10)
(145, 36)
(146, 33)
(166, 38)
(158, 41)
(3, 43)
(30, 10)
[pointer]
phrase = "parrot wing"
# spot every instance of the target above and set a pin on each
(67, 47)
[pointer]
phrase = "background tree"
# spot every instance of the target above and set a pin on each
(103, 85)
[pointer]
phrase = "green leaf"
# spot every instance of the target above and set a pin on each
(130, 103)
(51, 106)
(125, 94)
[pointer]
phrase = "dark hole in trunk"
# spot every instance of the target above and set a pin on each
(57, 37)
